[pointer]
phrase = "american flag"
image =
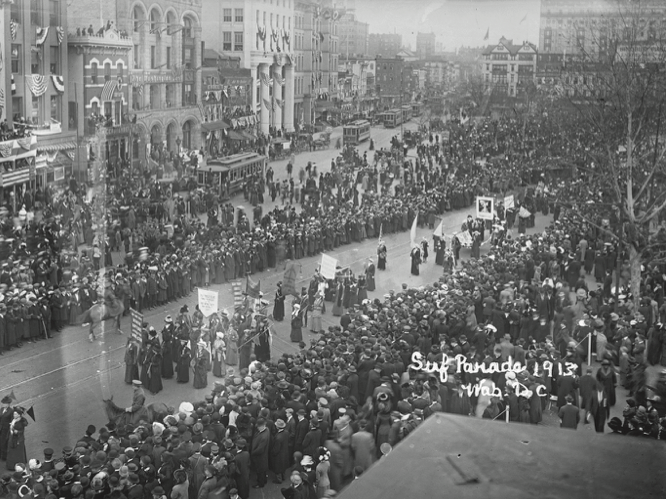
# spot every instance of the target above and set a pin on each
(13, 26)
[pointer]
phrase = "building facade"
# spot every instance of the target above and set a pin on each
(36, 87)
(261, 34)
(391, 80)
(164, 74)
(508, 68)
(425, 45)
(353, 36)
(385, 45)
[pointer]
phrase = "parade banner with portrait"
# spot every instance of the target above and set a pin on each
(485, 208)
(208, 302)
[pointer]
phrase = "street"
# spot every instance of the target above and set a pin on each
(66, 378)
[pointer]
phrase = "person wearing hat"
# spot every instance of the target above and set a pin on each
(260, 451)
(597, 408)
(48, 464)
(6, 416)
(137, 409)
(16, 446)
(312, 439)
(279, 451)
(242, 460)
(607, 378)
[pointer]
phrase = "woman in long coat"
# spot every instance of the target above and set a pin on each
(232, 347)
(381, 256)
(16, 444)
(317, 309)
(131, 361)
(155, 369)
(337, 301)
(167, 352)
(606, 376)
(201, 366)
(296, 335)
(219, 354)
(183, 369)
(278, 307)
(370, 275)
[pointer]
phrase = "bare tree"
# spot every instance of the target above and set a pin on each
(615, 83)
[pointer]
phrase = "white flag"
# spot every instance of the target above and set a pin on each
(412, 233)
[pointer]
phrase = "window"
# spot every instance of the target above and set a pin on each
(137, 58)
(226, 14)
(153, 57)
(34, 112)
(187, 29)
(170, 96)
(35, 10)
(137, 16)
(16, 12)
(107, 71)
(55, 107)
(54, 12)
(120, 69)
(34, 60)
(108, 109)
(16, 60)
(117, 113)
(187, 58)
(54, 65)
(188, 94)
(187, 135)
(238, 15)
(226, 40)
(93, 73)
(154, 96)
(154, 20)
(238, 41)
(168, 57)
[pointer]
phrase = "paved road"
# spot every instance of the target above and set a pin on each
(65, 378)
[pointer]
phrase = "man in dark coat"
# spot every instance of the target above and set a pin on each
(242, 460)
(279, 451)
(6, 416)
(587, 384)
(302, 427)
(260, 450)
(569, 414)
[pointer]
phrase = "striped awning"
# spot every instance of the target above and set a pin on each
(63, 146)
(107, 91)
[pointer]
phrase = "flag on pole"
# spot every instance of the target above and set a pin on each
(381, 232)
(12, 396)
(487, 34)
(412, 232)
(31, 412)
(523, 19)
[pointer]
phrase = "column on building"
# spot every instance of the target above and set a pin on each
(263, 98)
(288, 117)
(276, 70)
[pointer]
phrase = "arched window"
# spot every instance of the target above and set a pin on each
(137, 17)
(187, 135)
(120, 68)
(107, 71)
(93, 73)
(154, 19)
(187, 29)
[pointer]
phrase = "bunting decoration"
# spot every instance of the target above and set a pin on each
(71, 154)
(2, 60)
(2, 97)
(60, 31)
(278, 78)
(58, 83)
(261, 31)
(42, 33)
(268, 104)
(265, 80)
(36, 84)
(6, 149)
(13, 27)
(13, 85)
(25, 143)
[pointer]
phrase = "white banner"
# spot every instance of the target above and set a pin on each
(208, 302)
(328, 266)
(509, 202)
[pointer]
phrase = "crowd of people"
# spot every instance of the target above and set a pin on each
(315, 419)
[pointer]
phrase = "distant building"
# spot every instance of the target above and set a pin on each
(353, 35)
(507, 67)
(441, 73)
(393, 81)
(425, 45)
(384, 45)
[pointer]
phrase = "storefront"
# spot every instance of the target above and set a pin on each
(17, 167)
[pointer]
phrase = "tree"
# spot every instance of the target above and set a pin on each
(616, 83)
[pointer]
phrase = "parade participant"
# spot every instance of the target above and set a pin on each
(278, 307)
(296, 335)
(415, 256)
(219, 355)
(16, 452)
(6, 417)
(169, 341)
(381, 255)
(201, 363)
(137, 411)
(184, 359)
(131, 361)
(370, 275)
(317, 309)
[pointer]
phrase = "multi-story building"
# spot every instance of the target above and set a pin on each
(385, 45)
(99, 64)
(353, 36)
(392, 80)
(35, 94)
(164, 73)
(593, 27)
(507, 67)
(261, 34)
(357, 84)
(441, 72)
(425, 45)
(317, 50)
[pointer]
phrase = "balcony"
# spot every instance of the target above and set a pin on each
(107, 38)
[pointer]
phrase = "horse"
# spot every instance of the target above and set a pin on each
(100, 312)
(156, 411)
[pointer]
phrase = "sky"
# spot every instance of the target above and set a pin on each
(455, 22)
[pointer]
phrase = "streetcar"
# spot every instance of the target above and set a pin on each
(356, 132)
(406, 112)
(228, 174)
(417, 109)
(392, 118)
